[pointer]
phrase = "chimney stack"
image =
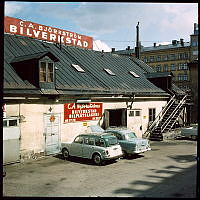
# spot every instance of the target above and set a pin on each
(154, 44)
(181, 41)
(137, 48)
(128, 48)
(174, 42)
(113, 50)
(196, 31)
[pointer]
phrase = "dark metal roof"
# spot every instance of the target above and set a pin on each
(34, 56)
(152, 48)
(67, 79)
(158, 74)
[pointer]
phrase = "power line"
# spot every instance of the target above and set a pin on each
(131, 41)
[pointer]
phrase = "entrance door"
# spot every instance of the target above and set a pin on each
(52, 129)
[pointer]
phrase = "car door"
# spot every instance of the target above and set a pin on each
(76, 147)
(88, 147)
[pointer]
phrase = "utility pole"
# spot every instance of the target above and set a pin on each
(137, 48)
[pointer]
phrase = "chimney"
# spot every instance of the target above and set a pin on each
(154, 44)
(196, 31)
(137, 48)
(181, 41)
(128, 48)
(174, 42)
(113, 50)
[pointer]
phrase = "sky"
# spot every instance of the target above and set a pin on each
(113, 24)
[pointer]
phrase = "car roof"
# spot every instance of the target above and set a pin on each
(97, 134)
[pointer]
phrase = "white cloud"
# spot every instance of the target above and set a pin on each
(98, 45)
(12, 8)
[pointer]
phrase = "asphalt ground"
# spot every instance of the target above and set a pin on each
(169, 170)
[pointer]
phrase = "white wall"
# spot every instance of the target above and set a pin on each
(32, 126)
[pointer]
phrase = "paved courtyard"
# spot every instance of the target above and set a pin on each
(168, 170)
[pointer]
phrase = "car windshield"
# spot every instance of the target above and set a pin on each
(111, 141)
(130, 135)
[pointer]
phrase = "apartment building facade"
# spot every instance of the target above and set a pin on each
(173, 58)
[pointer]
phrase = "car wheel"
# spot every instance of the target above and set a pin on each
(125, 155)
(65, 153)
(97, 159)
(193, 137)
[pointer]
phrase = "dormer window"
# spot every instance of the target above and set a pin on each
(46, 72)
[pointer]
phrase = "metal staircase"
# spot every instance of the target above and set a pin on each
(166, 118)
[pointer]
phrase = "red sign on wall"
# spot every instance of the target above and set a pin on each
(81, 112)
(47, 33)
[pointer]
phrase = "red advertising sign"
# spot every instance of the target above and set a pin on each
(47, 33)
(81, 112)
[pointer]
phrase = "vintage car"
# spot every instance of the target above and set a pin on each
(129, 142)
(189, 132)
(96, 146)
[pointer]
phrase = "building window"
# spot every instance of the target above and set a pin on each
(151, 58)
(186, 55)
(165, 57)
(172, 57)
(195, 53)
(182, 77)
(46, 72)
(134, 74)
(137, 113)
(166, 67)
(158, 68)
(183, 66)
(172, 67)
(181, 56)
(78, 68)
(145, 59)
(158, 58)
(194, 43)
(109, 72)
(152, 114)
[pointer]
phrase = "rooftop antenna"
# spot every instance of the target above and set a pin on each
(137, 48)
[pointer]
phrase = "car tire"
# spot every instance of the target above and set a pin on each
(97, 159)
(65, 153)
(193, 137)
(125, 155)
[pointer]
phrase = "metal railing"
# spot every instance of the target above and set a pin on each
(164, 125)
(160, 115)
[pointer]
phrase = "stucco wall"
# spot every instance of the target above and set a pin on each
(32, 123)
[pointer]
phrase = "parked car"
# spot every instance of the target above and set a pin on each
(96, 146)
(190, 132)
(129, 142)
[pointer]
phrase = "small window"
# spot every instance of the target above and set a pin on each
(131, 113)
(86, 141)
(46, 72)
(79, 140)
(109, 72)
(134, 74)
(4, 123)
(91, 141)
(78, 68)
(152, 114)
(137, 113)
(99, 142)
(13, 122)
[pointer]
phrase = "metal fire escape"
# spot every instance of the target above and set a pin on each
(166, 119)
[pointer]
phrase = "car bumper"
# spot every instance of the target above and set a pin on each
(113, 157)
(142, 150)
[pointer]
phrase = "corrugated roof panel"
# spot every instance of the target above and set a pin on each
(93, 63)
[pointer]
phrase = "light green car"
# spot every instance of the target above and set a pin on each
(96, 146)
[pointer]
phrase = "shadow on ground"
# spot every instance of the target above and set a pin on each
(169, 182)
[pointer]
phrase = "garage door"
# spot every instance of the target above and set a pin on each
(11, 136)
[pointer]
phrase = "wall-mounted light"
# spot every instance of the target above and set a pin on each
(83, 100)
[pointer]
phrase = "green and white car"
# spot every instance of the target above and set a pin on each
(129, 142)
(96, 146)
